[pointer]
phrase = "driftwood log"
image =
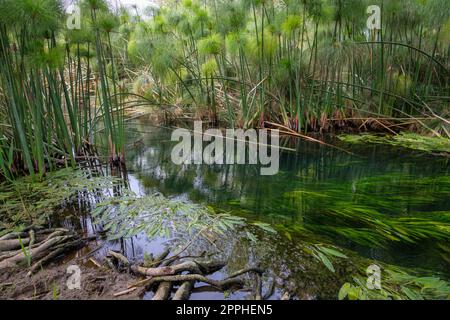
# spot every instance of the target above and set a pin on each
(184, 291)
(36, 245)
(13, 244)
(163, 291)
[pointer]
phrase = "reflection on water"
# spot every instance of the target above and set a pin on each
(385, 203)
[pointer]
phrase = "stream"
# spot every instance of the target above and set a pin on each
(360, 202)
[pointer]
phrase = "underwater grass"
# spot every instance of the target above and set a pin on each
(396, 284)
(401, 215)
(406, 140)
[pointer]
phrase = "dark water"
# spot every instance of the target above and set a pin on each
(384, 203)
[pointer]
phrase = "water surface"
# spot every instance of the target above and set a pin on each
(381, 202)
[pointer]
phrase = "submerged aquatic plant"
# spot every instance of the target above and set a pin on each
(374, 222)
(406, 140)
(325, 254)
(397, 284)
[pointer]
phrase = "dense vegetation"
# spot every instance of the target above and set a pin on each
(48, 83)
(306, 64)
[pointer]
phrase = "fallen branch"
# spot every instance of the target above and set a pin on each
(35, 253)
(13, 244)
(220, 284)
(163, 291)
(96, 263)
(184, 291)
(122, 293)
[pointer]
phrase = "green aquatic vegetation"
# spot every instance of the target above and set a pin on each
(352, 211)
(265, 226)
(396, 284)
(374, 221)
(399, 189)
(301, 63)
(407, 140)
(325, 254)
(158, 216)
(26, 201)
(370, 226)
(305, 193)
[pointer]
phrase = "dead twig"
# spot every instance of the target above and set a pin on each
(125, 292)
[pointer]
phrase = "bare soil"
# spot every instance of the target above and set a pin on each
(51, 283)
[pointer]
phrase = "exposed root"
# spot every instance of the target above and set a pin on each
(58, 250)
(13, 244)
(184, 291)
(221, 284)
(153, 272)
(119, 257)
(40, 245)
(163, 291)
(258, 287)
(163, 276)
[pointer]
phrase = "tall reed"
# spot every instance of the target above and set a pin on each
(309, 64)
(47, 106)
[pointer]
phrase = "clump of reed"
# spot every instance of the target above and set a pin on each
(307, 64)
(58, 87)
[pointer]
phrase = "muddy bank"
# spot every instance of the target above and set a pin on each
(51, 283)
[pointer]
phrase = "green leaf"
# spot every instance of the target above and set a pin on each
(326, 261)
(411, 294)
(343, 292)
(251, 236)
(333, 252)
(288, 235)
(265, 226)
